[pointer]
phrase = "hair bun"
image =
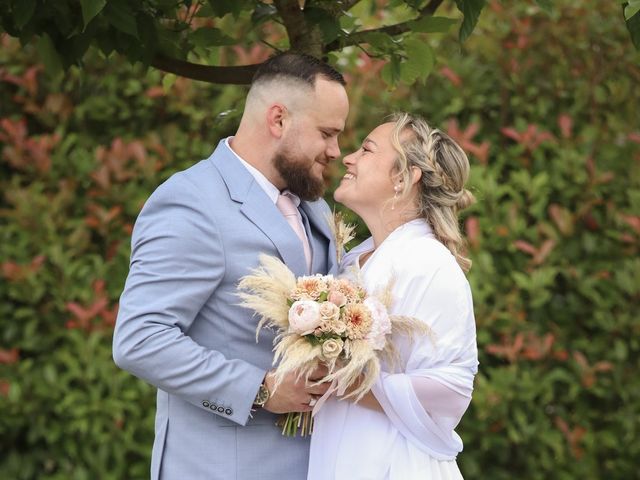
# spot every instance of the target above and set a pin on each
(465, 200)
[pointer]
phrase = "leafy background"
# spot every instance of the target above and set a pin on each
(546, 105)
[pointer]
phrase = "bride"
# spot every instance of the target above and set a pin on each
(407, 183)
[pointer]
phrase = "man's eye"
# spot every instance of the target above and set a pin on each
(325, 135)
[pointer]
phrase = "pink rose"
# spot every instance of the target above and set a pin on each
(304, 317)
(381, 325)
(338, 298)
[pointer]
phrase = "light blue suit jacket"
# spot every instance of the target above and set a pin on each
(180, 328)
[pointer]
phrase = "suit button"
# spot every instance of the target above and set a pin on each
(205, 404)
(213, 407)
(220, 409)
(228, 411)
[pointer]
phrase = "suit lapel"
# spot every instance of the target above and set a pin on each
(258, 208)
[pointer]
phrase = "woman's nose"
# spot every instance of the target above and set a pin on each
(348, 160)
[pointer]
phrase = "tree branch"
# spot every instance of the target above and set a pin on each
(430, 8)
(391, 30)
(303, 37)
(240, 75)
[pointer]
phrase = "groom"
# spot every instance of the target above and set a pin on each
(180, 327)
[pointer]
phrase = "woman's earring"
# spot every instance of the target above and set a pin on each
(396, 189)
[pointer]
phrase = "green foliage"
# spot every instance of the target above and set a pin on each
(167, 33)
(544, 102)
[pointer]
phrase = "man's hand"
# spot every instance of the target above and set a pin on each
(294, 395)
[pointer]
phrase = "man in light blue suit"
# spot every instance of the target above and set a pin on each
(180, 326)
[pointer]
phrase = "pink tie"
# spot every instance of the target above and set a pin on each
(291, 214)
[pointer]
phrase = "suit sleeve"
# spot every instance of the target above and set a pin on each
(177, 262)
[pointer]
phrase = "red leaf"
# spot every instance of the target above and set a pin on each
(562, 218)
(502, 231)
(633, 221)
(464, 138)
(154, 92)
(9, 356)
(544, 251)
(565, 122)
(472, 227)
(590, 222)
(525, 247)
(451, 76)
(511, 133)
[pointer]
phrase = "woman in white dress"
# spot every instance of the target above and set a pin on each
(407, 183)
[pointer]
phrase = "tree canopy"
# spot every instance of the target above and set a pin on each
(188, 37)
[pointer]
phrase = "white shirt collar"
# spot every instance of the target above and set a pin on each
(270, 189)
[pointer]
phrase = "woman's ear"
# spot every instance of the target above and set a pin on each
(416, 175)
(276, 119)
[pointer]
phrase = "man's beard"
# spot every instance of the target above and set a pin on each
(296, 172)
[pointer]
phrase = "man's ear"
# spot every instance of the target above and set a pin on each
(416, 175)
(276, 119)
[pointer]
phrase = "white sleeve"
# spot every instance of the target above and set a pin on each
(427, 399)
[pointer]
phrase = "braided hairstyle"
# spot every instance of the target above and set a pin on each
(445, 170)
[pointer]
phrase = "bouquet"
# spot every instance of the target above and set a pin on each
(321, 318)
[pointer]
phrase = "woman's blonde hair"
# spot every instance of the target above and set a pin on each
(445, 170)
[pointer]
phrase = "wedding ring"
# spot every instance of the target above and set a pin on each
(313, 401)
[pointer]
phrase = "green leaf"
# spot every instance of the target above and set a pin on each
(262, 13)
(222, 7)
(23, 11)
(631, 9)
(546, 5)
(380, 41)
(633, 26)
(91, 8)
(433, 24)
(169, 43)
(471, 10)
(390, 73)
(167, 82)
(329, 26)
(209, 36)
(49, 55)
(148, 32)
(122, 17)
(419, 62)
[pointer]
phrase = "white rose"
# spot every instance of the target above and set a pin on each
(304, 317)
(329, 311)
(331, 348)
(338, 327)
(381, 325)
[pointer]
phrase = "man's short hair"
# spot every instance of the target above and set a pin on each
(296, 66)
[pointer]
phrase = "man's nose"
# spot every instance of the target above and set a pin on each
(333, 150)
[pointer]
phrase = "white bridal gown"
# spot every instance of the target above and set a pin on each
(429, 391)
